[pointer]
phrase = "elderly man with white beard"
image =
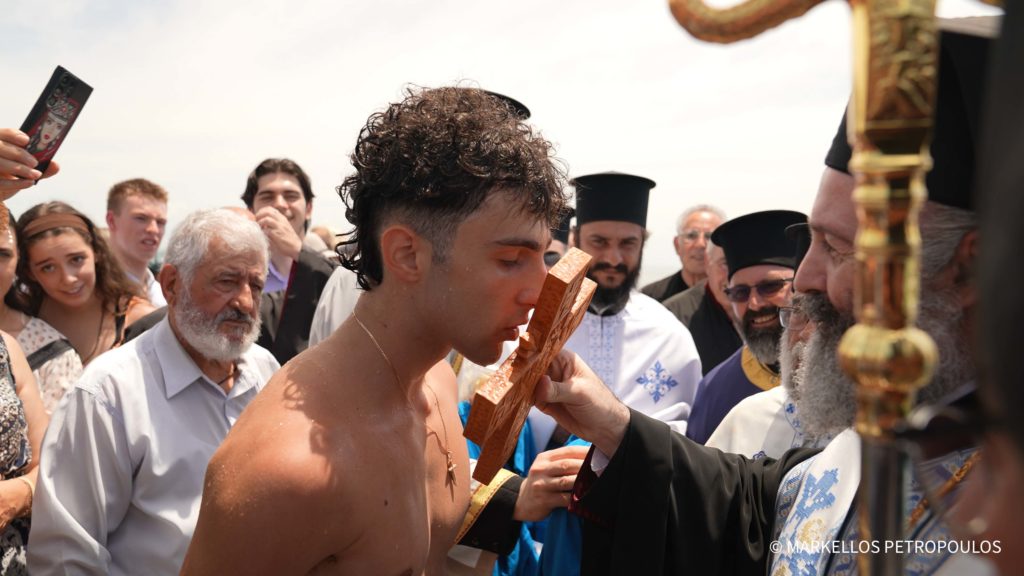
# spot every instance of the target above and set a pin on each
(656, 503)
(122, 465)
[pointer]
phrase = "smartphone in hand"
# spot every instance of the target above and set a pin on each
(53, 115)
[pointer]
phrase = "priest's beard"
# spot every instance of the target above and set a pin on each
(825, 397)
(763, 341)
(201, 330)
(613, 298)
(789, 362)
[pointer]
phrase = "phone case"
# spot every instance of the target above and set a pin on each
(53, 115)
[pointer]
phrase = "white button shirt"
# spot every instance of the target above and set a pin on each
(123, 461)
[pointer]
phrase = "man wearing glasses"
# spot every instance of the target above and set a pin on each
(761, 259)
(693, 232)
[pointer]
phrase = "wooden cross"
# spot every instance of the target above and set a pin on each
(500, 406)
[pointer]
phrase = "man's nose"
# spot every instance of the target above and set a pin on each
(756, 301)
(534, 281)
(280, 204)
(810, 276)
(245, 300)
(612, 256)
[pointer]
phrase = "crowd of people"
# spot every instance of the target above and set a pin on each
(265, 402)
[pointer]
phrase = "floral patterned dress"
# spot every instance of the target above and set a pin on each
(54, 363)
(15, 455)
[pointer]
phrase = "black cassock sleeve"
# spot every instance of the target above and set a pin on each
(667, 505)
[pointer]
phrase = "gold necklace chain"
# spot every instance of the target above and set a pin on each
(443, 445)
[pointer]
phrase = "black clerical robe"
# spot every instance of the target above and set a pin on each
(712, 330)
(666, 505)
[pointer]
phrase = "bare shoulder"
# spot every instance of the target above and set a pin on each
(270, 478)
(442, 379)
(282, 443)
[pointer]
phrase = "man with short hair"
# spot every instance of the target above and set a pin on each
(705, 310)
(642, 353)
(693, 231)
(122, 464)
(136, 219)
(452, 200)
(278, 192)
(761, 262)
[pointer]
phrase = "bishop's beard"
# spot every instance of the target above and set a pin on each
(825, 397)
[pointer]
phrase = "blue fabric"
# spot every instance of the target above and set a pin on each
(717, 393)
(523, 560)
(563, 537)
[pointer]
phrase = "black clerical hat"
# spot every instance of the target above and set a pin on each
(758, 238)
(963, 57)
(612, 196)
(801, 235)
(517, 107)
(561, 233)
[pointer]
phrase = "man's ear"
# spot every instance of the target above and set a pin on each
(110, 220)
(170, 282)
(405, 254)
(964, 266)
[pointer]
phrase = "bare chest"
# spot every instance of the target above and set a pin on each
(408, 510)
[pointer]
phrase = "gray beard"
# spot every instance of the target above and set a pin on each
(201, 331)
(765, 345)
(789, 364)
(825, 396)
(763, 342)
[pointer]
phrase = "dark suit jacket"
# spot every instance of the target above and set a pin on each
(287, 316)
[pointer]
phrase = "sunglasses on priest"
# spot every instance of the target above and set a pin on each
(741, 292)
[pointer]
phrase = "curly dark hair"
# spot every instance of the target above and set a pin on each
(432, 160)
(112, 284)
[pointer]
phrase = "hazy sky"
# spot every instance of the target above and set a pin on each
(193, 94)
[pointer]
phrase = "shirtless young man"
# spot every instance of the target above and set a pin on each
(352, 460)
